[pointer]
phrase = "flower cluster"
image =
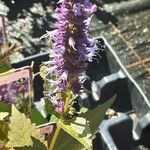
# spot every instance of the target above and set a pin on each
(71, 49)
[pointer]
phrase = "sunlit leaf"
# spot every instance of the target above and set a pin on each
(3, 115)
(53, 119)
(79, 129)
(77, 134)
(79, 125)
(21, 130)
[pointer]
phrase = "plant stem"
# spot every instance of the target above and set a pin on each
(67, 103)
(58, 128)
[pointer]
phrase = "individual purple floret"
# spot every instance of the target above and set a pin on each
(59, 106)
(71, 48)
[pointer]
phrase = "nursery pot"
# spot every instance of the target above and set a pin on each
(131, 128)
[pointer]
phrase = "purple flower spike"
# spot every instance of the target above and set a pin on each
(71, 47)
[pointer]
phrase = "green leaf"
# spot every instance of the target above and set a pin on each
(21, 130)
(76, 133)
(95, 116)
(53, 119)
(5, 107)
(37, 145)
(4, 68)
(3, 131)
(67, 142)
(37, 118)
(3, 115)
(79, 125)
(82, 110)
(79, 129)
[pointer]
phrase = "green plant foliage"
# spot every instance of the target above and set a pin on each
(5, 107)
(4, 68)
(53, 119)
(3, 131)
(77, 134)
(3, 127)
(3, 115)
(21, 131)
(95, 116)
(79, 129)
(37, 145)
(37, 118)
(66, 142)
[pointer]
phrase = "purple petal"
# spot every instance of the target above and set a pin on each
(59, 106)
